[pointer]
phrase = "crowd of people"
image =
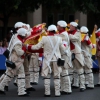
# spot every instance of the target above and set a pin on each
(64, 54)
(3, 45)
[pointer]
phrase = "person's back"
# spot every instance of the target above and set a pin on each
(52, 46)
(47, 45)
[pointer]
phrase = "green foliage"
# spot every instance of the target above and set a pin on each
(21, 7)
(84, 6)
(7, 7)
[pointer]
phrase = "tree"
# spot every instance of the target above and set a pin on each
(18, 7)
(84, 6)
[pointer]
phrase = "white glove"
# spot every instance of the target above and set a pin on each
(40, 58)
(87, 38)
(94, 45)
(65, 43)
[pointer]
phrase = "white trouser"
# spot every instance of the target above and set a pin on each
(98, 58)
(80, 71)
(70, 71)
(21, 81)
(2, 76)
(47, 86)
(56, 85)
(75, 79)
(8, 77)
(99, 78)
(27, 74)
(16, 81)
(65, 81)
(34, 70)
(27, 80)
(89, 77)
(21, 84)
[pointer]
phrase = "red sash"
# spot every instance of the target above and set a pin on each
(72, 46)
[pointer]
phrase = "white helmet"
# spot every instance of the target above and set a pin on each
(22, 32)
(62, 23)
(52, 28)
(28, 26)
(18, 24)
(74, 24)
(84, 29)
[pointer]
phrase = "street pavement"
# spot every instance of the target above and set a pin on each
(39, 93)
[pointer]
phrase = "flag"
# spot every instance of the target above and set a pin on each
(36, 36)
(93, 40)
(83, 36)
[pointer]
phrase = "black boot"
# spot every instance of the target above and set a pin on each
(16, 84)
(90, 88)
(97, 85)
(6, 88)
(27, 92)
(57, 95)
(75, 87)
(30, 89)
(46, 95)
(65, 93)
(2, 92)
(34, 83)
(24, 95)
(82, 89)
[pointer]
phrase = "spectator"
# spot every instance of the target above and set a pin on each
(1, 48)
(4, 44)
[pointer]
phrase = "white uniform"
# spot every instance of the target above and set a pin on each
(15, 56)
(46, 68)
(98, 58)
(34, 68)
(78, 62)
(86, 47)
(65, 79)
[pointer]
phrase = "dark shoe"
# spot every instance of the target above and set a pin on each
(2, 92)
(97, 85)
(75, 87)
(16, 84)
(27, 92)
(6, 88)
(30, 89)
(31, 83)
(34, 83)
(86, 85)
(89, 87)
(82, 89)
(24, 95)
(46, 95)
(65, 93)
(57, 95)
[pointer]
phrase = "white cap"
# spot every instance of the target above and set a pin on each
(22, 31)
(28, 26)
(84, 29)
(74, 24)
(62, 23)
(52, 28)
(18, 24)
(97, 30)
